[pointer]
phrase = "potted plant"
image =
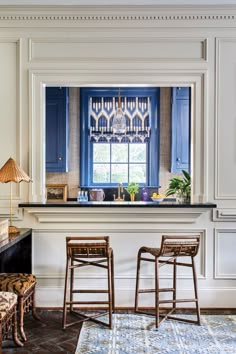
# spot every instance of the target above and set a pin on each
(180, 186)
(132, 189)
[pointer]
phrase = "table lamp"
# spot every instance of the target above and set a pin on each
(11, 172)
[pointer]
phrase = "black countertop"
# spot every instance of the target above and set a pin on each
(13, 239)
(104, 204)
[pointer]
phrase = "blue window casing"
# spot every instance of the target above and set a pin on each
(153, 151)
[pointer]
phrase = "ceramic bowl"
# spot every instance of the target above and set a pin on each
(157, 200)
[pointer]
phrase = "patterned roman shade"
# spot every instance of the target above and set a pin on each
(137, 114)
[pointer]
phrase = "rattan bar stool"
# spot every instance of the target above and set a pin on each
(83, 251)
(172, 247)
(23, 285)
(8, 318)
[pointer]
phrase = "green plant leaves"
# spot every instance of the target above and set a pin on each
(132, 187)
(180, 185)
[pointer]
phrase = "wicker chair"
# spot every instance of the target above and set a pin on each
(8, 317)
(82, 252)
(23, 285)
(172, 248)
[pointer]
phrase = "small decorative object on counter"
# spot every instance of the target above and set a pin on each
(96, 195)
(145, 195)
(157, 198)
(180, 186)
(82, 196)
(132, 189)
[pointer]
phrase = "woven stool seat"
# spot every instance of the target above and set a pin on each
(83, 251)
(153, 251)
(23, 285)
(8, 318)
(172, 247)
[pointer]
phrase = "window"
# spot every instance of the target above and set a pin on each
(107, 158)
(115, 162)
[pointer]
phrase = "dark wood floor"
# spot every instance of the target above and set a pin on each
(46, 336)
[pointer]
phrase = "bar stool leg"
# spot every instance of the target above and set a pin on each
(112, 282)
(71, 284)
(34, 313)
(110, 292)
(174, 284)
(0, 338)
(21, 317)
(196, 292)
(65, 293)
(14, 331)
(137, 281)
(157, 298)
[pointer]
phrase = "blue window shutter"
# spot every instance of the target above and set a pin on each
(57, 129)
(180, 129)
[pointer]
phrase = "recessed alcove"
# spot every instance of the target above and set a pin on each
(194, 79)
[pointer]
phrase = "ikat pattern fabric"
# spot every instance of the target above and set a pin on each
(17, 283)
(136, 334)
(7, 301)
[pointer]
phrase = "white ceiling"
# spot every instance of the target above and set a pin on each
(117, 2)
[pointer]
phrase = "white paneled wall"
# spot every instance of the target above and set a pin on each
(151, 46)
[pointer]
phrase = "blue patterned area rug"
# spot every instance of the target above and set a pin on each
(137, 334)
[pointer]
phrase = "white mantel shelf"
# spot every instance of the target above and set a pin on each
(111, 212)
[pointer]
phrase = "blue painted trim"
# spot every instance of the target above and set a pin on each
(60, 98)
(86, 145)
(178, 96)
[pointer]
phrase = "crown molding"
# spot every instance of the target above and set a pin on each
(118, 13)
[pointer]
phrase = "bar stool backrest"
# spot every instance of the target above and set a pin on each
(87, 247)
(179, 246)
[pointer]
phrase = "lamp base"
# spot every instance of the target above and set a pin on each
(13, 230)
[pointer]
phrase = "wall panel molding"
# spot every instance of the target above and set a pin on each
(128, 271)
(224, 214)
(14, 99)
(225, 243)
(225, 117)
(90, 49)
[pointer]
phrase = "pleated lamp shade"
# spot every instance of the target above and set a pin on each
(11, 172)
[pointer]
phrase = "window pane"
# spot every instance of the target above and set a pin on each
(138, 152)
(119, 173)
(101, 173)
(101, 152)
(119, 153)
(137, 173)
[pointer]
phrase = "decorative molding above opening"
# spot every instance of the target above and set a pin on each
(132, 217)
(116, 13)
(187, 17)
